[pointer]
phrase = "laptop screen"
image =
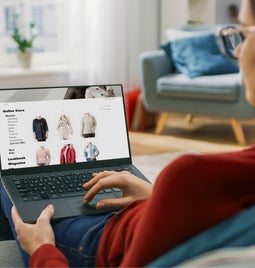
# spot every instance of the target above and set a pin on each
(62, 125)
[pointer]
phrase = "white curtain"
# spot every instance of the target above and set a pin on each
(107, 37)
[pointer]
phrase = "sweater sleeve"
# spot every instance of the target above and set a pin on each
(48, 255)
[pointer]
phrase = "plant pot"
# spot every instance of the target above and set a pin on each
(25, 59)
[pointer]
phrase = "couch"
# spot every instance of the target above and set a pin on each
(9, 254)
(166, 90)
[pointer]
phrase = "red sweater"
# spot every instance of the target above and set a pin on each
(190, 195)
(67, 155)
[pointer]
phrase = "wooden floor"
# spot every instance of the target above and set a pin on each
(205, 135)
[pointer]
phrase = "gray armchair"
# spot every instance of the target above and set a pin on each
(166, 91)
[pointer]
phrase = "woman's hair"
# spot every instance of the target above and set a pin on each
(253, 6)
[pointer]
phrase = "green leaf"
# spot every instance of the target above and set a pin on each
(23, 43)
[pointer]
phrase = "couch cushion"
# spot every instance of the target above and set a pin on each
(236, 231)
(10, 254)
(198, 55)
(221, 87)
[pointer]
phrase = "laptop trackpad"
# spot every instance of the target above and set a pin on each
(77, 204)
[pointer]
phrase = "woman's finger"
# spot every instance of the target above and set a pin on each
(114, 203)
(114, 180)
(15, 216)
(46, 213)
(97, 177)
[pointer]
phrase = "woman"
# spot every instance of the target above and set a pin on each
(190, 195)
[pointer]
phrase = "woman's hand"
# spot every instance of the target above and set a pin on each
(32, 236)
(133, 188)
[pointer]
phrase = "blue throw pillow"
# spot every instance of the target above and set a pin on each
(198, 55)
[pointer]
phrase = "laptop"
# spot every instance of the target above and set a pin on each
(54, 138)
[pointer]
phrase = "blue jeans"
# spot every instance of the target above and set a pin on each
(76, 237)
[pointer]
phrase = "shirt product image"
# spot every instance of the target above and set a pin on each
(43, 156)
(40, 128)
(88, 125)
(91, 152)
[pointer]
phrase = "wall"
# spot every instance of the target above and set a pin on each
(201, 11)
(222, 14)
(173, 14)
(178, 12)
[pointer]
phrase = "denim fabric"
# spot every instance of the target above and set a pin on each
(5, 210)
(5, 228)
(76, 237)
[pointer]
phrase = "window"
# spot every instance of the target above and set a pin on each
(50, 46)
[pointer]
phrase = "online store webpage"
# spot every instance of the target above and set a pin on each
(74, 128)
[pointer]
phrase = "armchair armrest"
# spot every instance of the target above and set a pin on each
(153, 64)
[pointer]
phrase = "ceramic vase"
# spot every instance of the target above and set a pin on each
(25, 59)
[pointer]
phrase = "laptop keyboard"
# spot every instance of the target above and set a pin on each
(43, 187)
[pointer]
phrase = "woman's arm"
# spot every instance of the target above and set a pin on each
(48, 255)
(38, 240)
(32, 236)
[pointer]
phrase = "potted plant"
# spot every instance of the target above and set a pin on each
(24, 42)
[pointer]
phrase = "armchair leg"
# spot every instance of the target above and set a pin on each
(188, 118)
(238, 131)
(163, 117)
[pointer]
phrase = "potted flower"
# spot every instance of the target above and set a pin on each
(24, 42)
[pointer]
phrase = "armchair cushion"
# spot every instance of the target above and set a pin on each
(222, 87)
(198, 55)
